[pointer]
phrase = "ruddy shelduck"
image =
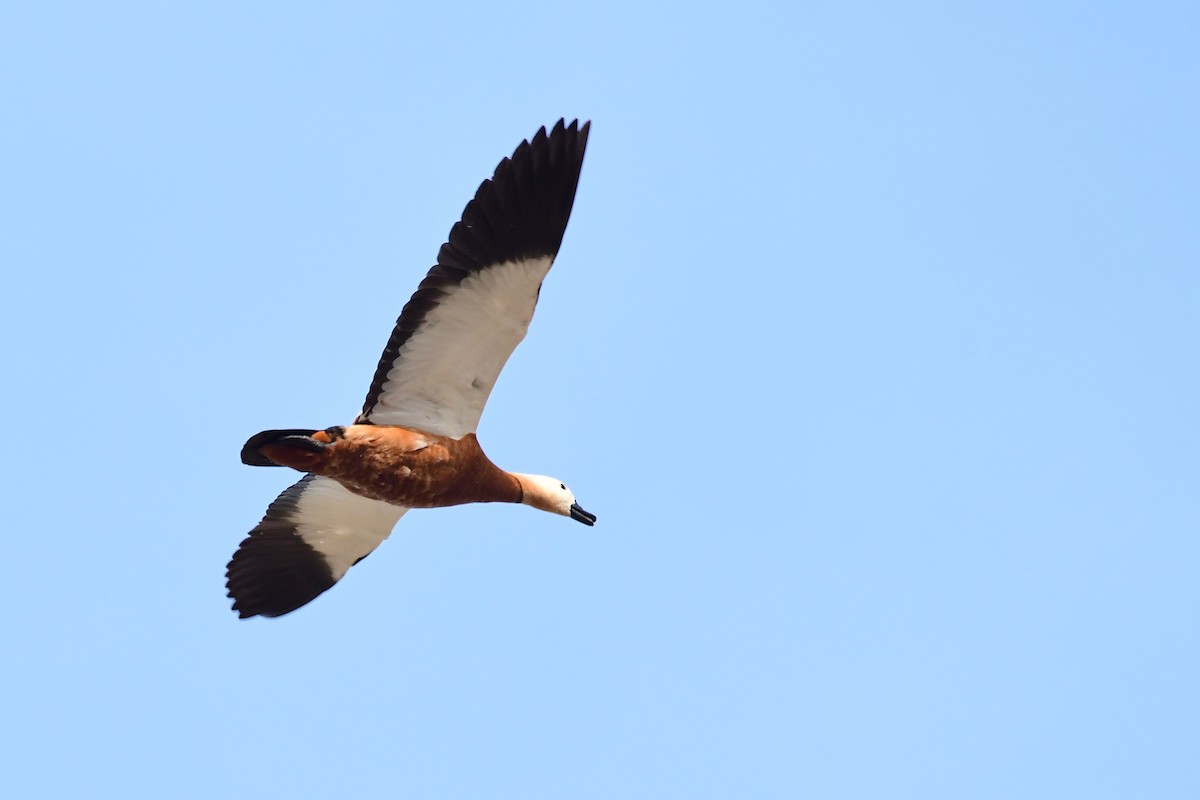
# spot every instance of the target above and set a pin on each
(414, 445)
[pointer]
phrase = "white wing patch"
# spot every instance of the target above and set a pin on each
(443, 375)
(340, 525)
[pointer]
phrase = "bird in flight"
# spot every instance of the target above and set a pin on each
(414, 445)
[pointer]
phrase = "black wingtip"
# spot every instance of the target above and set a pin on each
(274, 572)
(523, 209)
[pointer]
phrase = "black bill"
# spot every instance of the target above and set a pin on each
(579, 514)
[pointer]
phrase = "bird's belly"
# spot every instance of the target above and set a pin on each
(410, 469)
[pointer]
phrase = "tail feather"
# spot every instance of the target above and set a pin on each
(297, 438)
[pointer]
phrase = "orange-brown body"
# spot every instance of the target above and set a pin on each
(402, 466)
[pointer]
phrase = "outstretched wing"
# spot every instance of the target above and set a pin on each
(473, 308)
(312, 534)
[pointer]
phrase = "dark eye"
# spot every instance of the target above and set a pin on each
(562, 486)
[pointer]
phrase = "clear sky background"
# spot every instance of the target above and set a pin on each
(873, 343)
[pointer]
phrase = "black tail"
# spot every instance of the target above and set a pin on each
(253, 458)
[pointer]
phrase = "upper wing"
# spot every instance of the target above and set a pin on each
(312, 534)
(473, 308)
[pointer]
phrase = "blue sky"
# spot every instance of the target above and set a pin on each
(872, 344)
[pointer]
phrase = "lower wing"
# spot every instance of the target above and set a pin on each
(312, 534)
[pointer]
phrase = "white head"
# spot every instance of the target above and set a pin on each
(551, 494)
